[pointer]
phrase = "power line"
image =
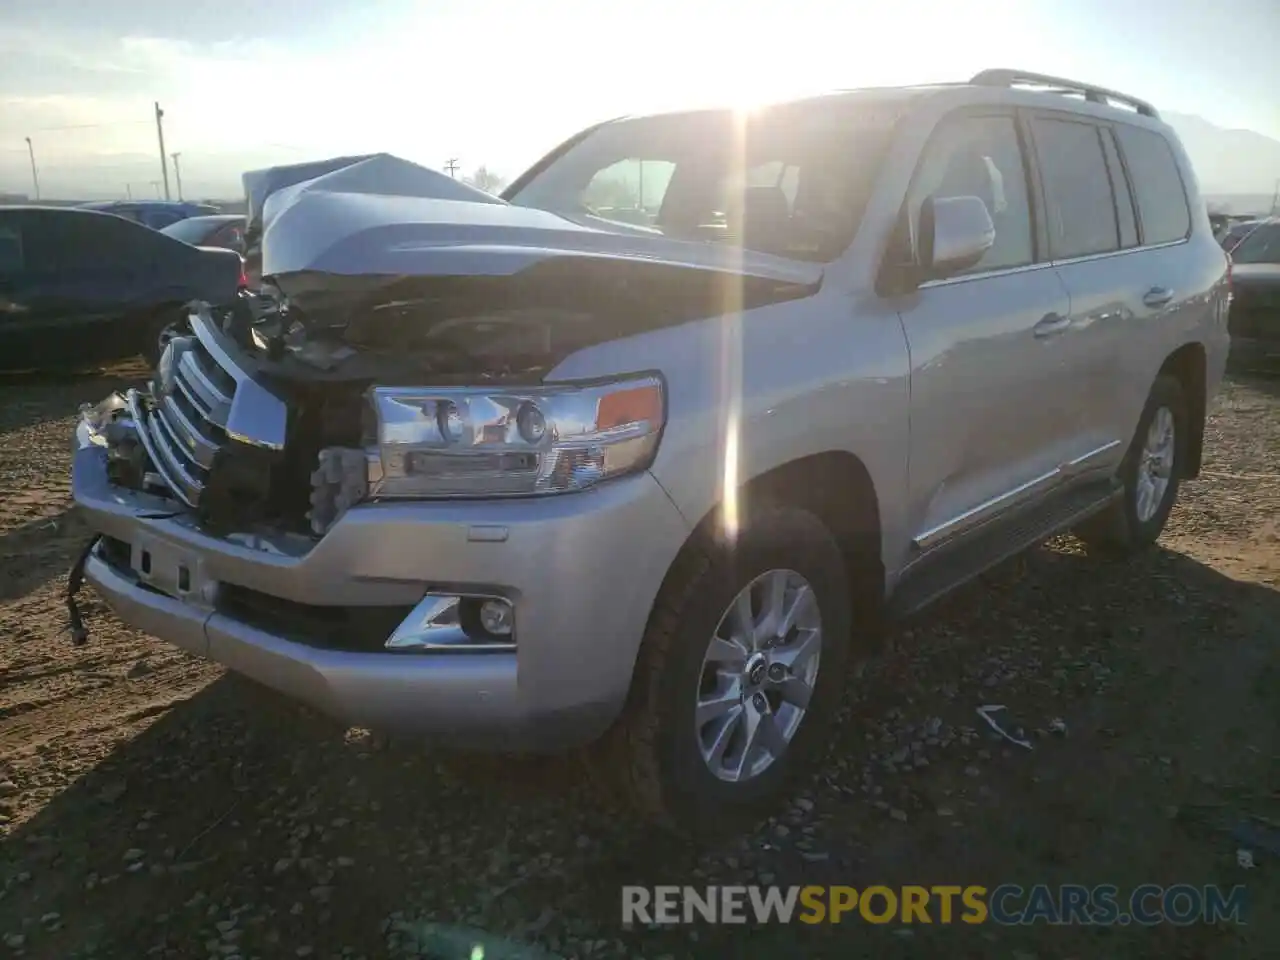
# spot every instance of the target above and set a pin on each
(90, 126)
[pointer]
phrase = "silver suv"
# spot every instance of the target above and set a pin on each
(635, 455)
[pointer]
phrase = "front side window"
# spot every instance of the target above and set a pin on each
(792, 180)
(1162, 199)
(981, 157)
(1077, 187)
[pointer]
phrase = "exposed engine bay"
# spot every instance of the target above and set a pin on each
(460, 329)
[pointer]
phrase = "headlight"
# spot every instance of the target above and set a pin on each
(485, 443)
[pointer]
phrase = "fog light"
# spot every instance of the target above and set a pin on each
(495, 617)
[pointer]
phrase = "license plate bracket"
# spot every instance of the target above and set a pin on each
(168, 568)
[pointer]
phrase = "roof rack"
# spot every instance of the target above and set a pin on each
(1010, 78)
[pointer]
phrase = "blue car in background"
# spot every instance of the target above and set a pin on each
(155, 214)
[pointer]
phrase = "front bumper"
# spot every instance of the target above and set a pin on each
(582, 571)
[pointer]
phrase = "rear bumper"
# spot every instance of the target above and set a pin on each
(581, 570)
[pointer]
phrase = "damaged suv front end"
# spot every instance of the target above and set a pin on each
(364, 489)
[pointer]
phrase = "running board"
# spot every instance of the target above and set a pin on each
(949, 566)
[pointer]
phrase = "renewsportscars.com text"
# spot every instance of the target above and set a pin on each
(1007, 904)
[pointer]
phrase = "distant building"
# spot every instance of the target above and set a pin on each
(12, 198)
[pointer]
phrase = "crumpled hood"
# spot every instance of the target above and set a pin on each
(380, 216)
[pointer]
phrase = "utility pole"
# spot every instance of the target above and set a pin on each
(452, 167)
(128, 191)
(177, 172)
(164, 160)
(1275, 197)
(35, 177)
(156, 185)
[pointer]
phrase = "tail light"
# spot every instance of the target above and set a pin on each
(244, 277)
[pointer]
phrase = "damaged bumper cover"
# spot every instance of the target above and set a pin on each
(579, 592)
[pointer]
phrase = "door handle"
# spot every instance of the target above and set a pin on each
(1157, 296)
(1051, 325)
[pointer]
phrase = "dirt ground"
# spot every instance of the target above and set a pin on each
(152, 806)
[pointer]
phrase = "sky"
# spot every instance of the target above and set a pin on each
(249, 83)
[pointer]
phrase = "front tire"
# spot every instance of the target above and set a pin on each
(1150, 475)
(739, 674)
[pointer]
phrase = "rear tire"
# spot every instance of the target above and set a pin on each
(157, 332)
(660, 757)
(1150, 475)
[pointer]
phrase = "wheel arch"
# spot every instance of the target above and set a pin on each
(1188, 364)
(834, 485)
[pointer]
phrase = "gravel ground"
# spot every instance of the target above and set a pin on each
(151, 805)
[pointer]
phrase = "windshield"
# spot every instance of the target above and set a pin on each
(1261, 246)
(792, 180)
(190, 230)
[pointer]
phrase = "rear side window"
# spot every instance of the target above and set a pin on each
(103, 243)
(159, 219)
(1162, 199)
(1077, 187)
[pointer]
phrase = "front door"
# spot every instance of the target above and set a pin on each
(988, 383)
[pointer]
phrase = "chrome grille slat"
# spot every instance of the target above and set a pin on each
(181, 455)
(184, 484)
(215, 401)
(184, 429)
(195, 444)
(197, 402)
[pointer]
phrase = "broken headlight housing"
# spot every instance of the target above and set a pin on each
(512, 442)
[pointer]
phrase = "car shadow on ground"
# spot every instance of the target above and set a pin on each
(239, 809)
(29, 398)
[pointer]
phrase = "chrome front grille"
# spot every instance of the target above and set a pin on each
(187, 423)
(198, 404)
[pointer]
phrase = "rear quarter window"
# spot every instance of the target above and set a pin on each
(1162, 197)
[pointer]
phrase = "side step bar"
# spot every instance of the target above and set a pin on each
(931, 577)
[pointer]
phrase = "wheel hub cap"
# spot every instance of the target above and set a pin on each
(1155, 465)
(758, 675)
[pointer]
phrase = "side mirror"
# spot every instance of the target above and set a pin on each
(954, 234)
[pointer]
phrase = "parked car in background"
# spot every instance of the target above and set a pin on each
(224, 230)
(79, 286)
(1233, 233)
(1255, 303)
(155, 214)
(512, 474)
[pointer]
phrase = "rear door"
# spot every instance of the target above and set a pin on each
(986, 384)
(1092, 228)
(1119, 223)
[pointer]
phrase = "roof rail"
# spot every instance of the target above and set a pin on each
(1010, 78)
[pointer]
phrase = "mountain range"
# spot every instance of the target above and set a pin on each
(1238, 170)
